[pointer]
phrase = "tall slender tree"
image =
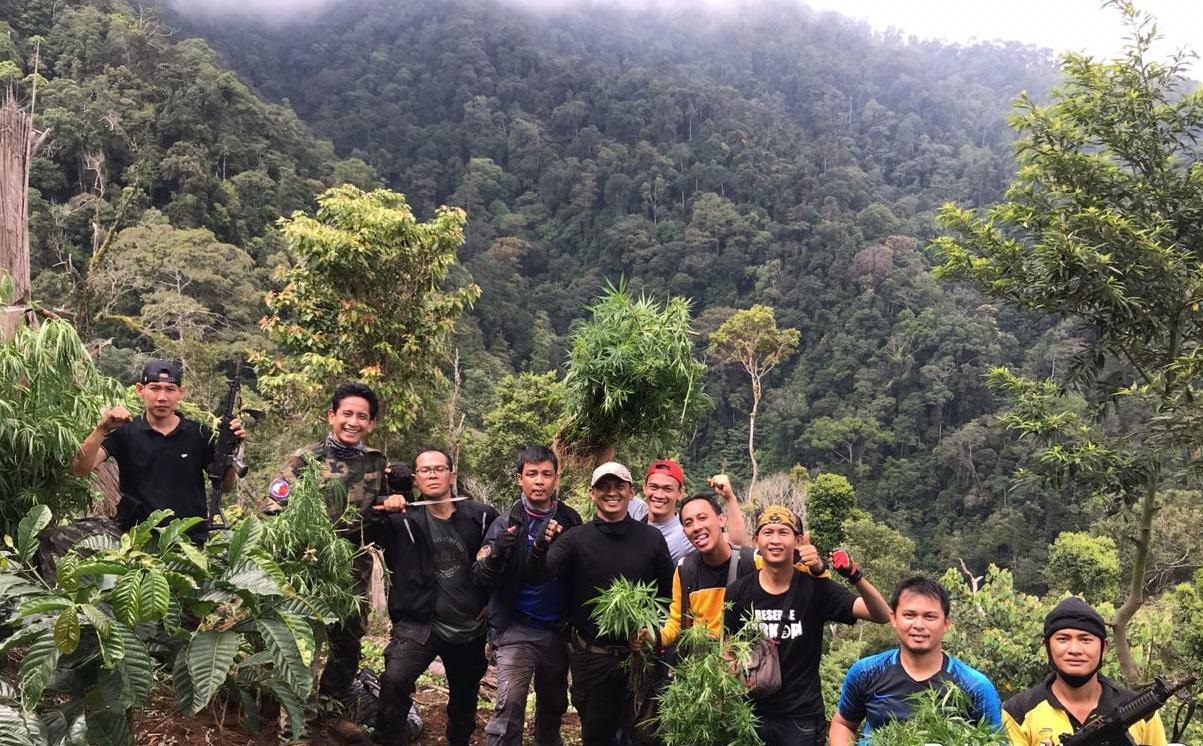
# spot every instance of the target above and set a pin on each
(19, 141)
(1104, 225)
(751, 339)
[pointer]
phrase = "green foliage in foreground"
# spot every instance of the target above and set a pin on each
(50, 397)
(632, 377)
(938, 716)
(225, 617)
(704, 703)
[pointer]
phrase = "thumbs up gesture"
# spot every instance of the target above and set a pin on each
(808, 554)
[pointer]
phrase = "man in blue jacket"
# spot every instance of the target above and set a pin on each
(434, 602)
(527, 623)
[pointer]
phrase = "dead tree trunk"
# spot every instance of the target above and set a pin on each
(18, 143)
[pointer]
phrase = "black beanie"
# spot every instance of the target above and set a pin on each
(1074, 613)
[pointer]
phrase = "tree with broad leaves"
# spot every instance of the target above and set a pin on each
(364, 298)
(1104, 225)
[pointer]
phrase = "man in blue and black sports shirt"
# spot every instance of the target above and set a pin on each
(878, 689)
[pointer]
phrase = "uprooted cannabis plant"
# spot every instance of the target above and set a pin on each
(632, 377)
(226, 620)
(705, 703)
(938, 716)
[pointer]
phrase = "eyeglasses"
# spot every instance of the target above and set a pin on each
(426, 471)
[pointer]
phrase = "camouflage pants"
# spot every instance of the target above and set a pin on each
(343, 662)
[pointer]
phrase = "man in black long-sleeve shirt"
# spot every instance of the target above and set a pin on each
(591, 557)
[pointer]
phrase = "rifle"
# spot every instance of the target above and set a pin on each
(224, 451)
(1112, 728)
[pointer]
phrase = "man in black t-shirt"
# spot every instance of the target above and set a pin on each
(590, 558)
(791, 607)
(161, 455)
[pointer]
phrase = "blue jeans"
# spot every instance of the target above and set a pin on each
(790, 732)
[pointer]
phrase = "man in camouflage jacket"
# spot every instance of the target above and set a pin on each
(352, 477)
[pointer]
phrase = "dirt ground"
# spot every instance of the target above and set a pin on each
(161, 725)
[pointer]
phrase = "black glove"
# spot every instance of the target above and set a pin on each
(400, 480)
(502, 546)
(541, 541)
(843, 563)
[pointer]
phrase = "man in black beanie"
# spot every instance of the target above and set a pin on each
(1075, 639)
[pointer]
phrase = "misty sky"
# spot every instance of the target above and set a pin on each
(1058, 24)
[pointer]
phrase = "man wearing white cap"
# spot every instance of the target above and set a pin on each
(591, 557)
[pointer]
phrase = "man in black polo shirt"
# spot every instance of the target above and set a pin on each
(161, 456)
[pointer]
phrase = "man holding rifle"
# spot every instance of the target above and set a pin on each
(352, 476)
(161, 455)
(1074, 694)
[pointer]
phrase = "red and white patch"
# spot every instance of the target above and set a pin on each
(279, 490)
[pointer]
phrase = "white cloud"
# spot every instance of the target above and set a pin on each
(1061, 25)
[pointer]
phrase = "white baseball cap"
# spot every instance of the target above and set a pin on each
(611, 468)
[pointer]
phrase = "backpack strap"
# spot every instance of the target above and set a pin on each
(733, 565)
(690, 574)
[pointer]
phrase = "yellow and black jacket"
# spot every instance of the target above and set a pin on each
(1034, 717)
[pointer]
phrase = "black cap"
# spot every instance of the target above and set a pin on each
(161, 371)
(1074, 613)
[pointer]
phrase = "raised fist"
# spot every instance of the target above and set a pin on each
(113, 418)
(842, 562)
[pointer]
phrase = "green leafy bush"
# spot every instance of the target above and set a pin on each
(226, 617)
(51, 395)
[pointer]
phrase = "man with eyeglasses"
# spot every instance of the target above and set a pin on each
(435, 605)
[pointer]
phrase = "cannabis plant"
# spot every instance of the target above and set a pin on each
(632, 376)
(621, 611)
(938, 716)
(51, 395)
(300, 540)
(704, 703)
(626, 607)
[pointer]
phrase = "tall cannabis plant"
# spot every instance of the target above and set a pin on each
(704, 703)
(632, 377)
(317, 564)
(51, 395)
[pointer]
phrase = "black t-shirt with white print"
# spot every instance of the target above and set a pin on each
(799, 632)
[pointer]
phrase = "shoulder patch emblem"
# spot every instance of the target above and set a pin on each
(484, 552)
(279, 490)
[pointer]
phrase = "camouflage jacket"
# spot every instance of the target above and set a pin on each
(347, 486)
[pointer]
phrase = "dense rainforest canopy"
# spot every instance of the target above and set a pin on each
(772, 156)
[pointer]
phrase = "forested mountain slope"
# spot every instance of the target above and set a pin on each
(772, 156)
